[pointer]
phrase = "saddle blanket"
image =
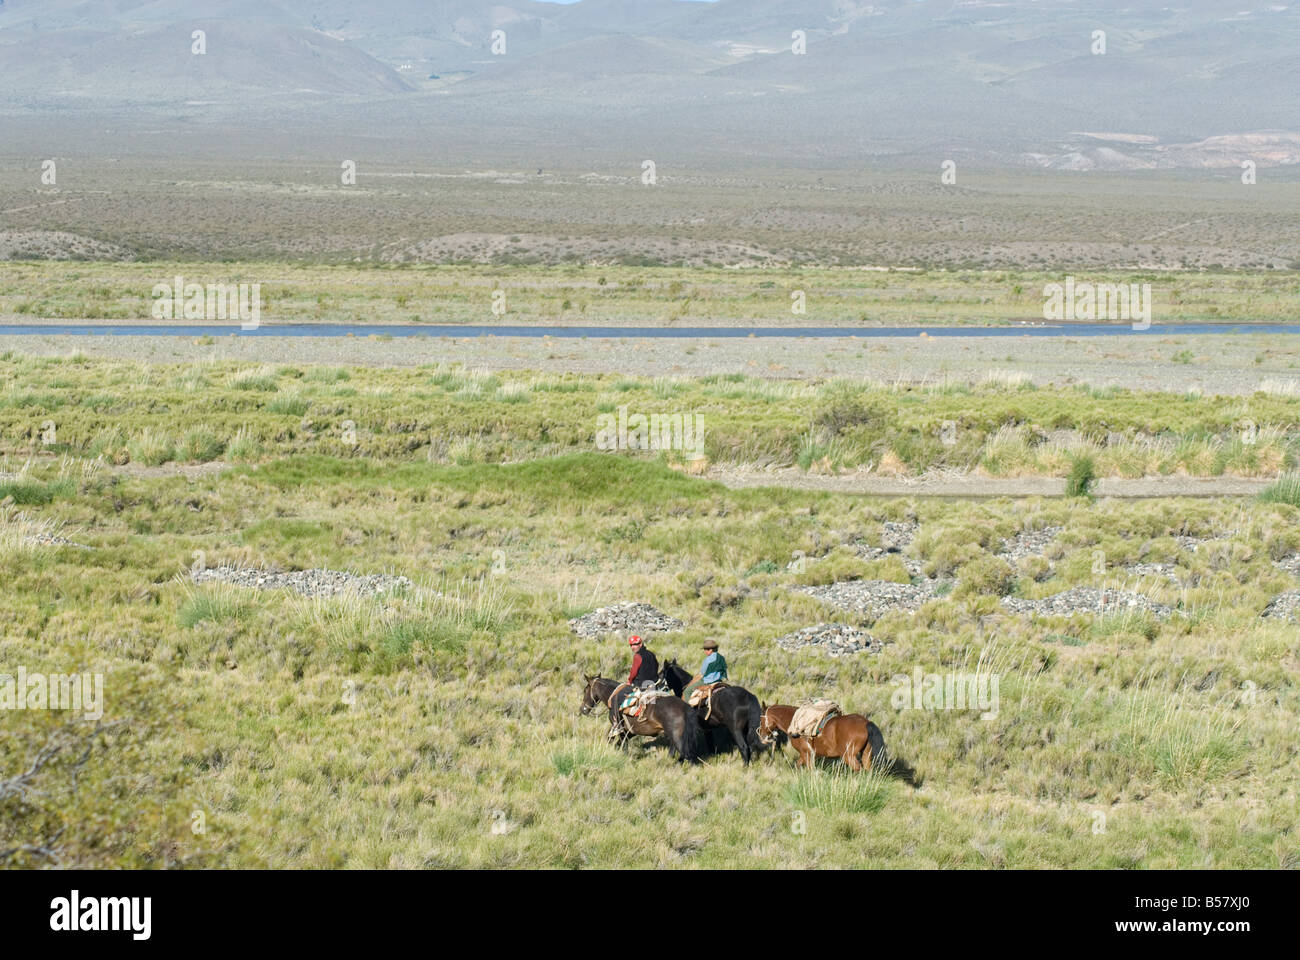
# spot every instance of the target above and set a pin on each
(810, 718)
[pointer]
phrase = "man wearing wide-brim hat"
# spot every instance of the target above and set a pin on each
(712, 670)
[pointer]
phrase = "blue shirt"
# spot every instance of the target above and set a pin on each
(714, 668)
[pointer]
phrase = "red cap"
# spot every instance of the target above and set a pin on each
(632, 640)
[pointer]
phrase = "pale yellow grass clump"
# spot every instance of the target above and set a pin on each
(1280, 388)
(20, 530)
(262, 377)
(1008, 378)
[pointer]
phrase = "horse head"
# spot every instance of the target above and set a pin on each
(768, 731)
(589, 696)
(673, 675)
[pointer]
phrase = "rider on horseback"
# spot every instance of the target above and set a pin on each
(645, 668)
(712, 670)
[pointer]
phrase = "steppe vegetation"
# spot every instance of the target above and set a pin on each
(437, 726)
(148, 415)
(592, 295)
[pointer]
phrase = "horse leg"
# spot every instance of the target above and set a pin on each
(619, 731)
(876, 753)
(739, 734)
(850, 756)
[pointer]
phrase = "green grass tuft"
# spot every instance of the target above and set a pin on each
(1286, 490)
(1081, 478)
(213, 604)
(839, 790)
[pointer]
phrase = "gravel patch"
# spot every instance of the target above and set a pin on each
(1028, 543)
(310, 583)
(629, 617)
(1090, 600)
(1289, 564)
(1167, 571)
(868, 552)
(874, 598)
(895, 537)
(1116, 361)
(898, 536)
(49, 540)
(1285, 606)
(834, 639)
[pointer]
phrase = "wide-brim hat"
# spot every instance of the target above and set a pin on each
(710, 644)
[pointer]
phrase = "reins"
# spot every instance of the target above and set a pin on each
(609, 701)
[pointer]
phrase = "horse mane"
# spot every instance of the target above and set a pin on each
(680, 675)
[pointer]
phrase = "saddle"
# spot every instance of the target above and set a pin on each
(810, 718)
(704, 695)
(705, 692)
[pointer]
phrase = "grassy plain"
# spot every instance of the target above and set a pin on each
(585, 294)
(439, 727)
(153, 414)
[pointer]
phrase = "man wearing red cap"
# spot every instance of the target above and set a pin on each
(645, 668)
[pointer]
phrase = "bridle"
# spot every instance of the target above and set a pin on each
(587, 707)
(765, 721)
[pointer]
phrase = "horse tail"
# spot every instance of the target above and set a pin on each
(691, 734)
(751, 727)
(876, 741)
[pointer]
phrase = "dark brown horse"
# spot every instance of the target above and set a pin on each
(666, 715)
(734, 709)
(850, 737)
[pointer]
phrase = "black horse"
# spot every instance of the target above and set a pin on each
(734, 709)
(667, 715)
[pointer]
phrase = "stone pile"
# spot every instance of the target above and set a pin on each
(629, 617)
(1092, 600)
(835, 640)
(310, 583)
(874, 598)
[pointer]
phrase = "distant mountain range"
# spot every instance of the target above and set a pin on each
(1192, 85)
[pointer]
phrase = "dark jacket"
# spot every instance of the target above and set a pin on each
(644, 667)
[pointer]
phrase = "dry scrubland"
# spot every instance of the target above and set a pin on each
(438, 726)
(121, 208)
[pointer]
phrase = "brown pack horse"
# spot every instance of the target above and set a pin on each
(850, 737)
(667, 715)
